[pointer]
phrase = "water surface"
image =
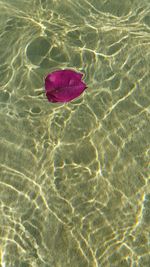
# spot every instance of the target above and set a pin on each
(74, 185)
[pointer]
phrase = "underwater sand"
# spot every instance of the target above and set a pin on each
(74, 178)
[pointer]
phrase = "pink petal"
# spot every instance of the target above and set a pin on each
(64, 85)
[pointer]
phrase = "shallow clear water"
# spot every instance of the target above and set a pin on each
(74, 185)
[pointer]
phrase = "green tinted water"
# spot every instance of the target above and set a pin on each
(74, 185)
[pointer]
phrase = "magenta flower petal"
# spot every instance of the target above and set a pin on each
(64, 85)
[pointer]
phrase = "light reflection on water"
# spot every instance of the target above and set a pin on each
(74, 188)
